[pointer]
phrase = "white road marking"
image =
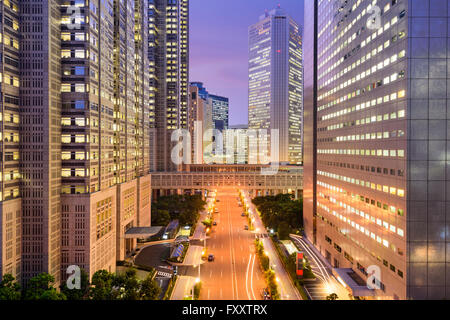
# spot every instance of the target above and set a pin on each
(251, 282)
(246, 276)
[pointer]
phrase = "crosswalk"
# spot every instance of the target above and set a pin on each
(164, 274)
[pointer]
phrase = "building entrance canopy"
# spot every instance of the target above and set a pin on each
(142, 232)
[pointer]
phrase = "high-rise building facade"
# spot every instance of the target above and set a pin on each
(40, 98)
(105, 132)
(168, 53)
(220, 107)
(376, 138)
(76, 118)
(10, 196)
(276, 81)
(200, 123)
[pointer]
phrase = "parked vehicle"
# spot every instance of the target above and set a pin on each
(211, 258)
(245, 227)
(214, 223)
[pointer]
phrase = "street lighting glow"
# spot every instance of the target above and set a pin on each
(278, 279)
(197, 280)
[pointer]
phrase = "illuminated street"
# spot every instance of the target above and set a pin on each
(235, 273)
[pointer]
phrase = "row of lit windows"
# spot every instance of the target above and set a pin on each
(374, 35)
(364, 74)
(378, 118)
(358, 107)
(365, 58)
(345, 30)
(368, 218)
(363, 152)
(358, 92)
(367, 184)
(367, 136)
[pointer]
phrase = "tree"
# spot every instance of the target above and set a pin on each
(332, 296)
(284, 230)
(41, 287)
(9, 288)
(102, 286)
(160, 217)
(128, 285)
(149, 289)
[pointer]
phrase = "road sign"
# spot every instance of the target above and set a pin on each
(299, 264)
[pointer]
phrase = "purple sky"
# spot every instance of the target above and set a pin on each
(219, 46)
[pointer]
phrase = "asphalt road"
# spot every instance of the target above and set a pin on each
(286, 288)
(235, 273)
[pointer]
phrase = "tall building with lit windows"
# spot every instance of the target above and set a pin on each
(10, 196)
(376, 188)
(105, 118)
(168, 53)
(276, 82)
(76, 111)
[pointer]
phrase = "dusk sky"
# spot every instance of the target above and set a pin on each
(219, 46)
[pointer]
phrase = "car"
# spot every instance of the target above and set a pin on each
(243, 214)
(211, 258)
(217, 200)
(214, 223)
(245, 227)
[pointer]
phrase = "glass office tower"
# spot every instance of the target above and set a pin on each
(376, 134)
(276, 82)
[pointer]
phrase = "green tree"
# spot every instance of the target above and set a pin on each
(284, 230)
(77, 294)
(102, 286)
(149, 289)
(127, 284)
(41, 287)
(160, 217)
(9, 288)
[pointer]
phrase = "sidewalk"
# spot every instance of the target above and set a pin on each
(326, 283)
(287, 289)
(183, 287)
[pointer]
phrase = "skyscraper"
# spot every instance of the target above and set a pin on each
(220, 107)
(168, 53)
(376, 191)
(76, 134)
(10, 197)
(39, 178)
(200, 111)
(275, 81)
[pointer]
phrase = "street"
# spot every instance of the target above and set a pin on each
(286, 288)
(235, 273)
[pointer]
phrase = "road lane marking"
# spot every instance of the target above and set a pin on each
(246, 276)
(251, 279)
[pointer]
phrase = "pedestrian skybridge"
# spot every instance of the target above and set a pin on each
(286, 179)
